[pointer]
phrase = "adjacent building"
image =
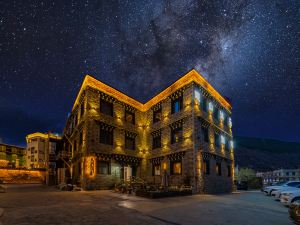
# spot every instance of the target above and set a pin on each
(184, 131)
(280, 175)
(41, 153)
(12, 156)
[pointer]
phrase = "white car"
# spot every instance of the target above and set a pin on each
(268, 190)
(288, 197)
(277, 192)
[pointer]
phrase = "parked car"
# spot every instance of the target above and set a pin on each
(295, 211)
(288, 197)
(277, 192)
(268, 190)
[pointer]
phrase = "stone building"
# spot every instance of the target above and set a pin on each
(12, 156)
(185, 131)
(41, 153)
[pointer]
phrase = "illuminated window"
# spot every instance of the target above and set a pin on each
(129, 143)
(229, 172)
(130, 117)
(197, 95)
(157, 115)
(156, 141)
(103, 167)
(223, 140)
(210, 106)
(229, 122)
(177, 104)
(175, 168)
(176, 135)
(156, 170)
(106, 136)
(206, 167)
(219, 169)
(205, 134)
(221, 115)
(106, 107)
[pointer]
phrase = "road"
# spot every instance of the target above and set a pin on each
(36, 204)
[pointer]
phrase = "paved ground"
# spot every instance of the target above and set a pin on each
(32, 205)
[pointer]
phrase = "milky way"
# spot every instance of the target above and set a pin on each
(248, 50)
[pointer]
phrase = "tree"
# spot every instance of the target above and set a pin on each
(246, 174)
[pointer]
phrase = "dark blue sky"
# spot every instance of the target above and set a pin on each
(248, 50)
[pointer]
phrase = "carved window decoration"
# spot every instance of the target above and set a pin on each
(130, 117)
(156, 139)
(106, 107)
(157, 116)
(177, 104)
(177, 131)
(217, 140)
(156, 170)
(106, 134)
(130, 140)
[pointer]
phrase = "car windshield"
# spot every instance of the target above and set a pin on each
(278, 183)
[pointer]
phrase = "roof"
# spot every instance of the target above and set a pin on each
(191, 76)
(13, 146)
(43, 135)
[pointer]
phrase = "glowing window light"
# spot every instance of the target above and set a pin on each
(197, 95)
(211, 106)
(229, 122)
(222, 139)
(221, 115)
(231, 144)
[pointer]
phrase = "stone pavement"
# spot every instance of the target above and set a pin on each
(34, 205)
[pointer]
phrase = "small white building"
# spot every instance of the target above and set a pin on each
(279, 175)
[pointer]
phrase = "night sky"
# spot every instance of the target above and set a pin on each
(247, 50)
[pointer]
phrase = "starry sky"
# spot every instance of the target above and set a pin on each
(247, 50)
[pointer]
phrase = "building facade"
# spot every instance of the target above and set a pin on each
(185, 131)
(281, 175)
(12, 156)
(41, 153)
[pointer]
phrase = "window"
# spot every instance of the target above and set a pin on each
(205, 134)
(204, 104)
(197, 94)
(206, 168)
(218, 169)
(229, 173)
(32, 150)
(75, 146)
(80, 138)
(106, 136)
(176, 135)
(82, 109)
(103, 167)
(156, 170)
(129, 143)
(130, 117)
(216, 114)
(156, 142)
(106, 107)
(175, 168)
(217, 140)
(157, 115)
(293, 173)
(177, 104)
(227, 145)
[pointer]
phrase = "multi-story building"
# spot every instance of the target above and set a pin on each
(12, 156)
(41, 153)
(280, 175)
(185, 131)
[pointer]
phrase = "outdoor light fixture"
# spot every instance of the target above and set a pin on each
(231, 144)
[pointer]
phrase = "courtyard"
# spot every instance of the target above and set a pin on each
(38, 204)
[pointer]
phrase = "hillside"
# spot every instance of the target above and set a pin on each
(266, 154)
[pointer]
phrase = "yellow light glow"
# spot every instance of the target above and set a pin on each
(164, 166)
(90, 166)
(192, 76)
